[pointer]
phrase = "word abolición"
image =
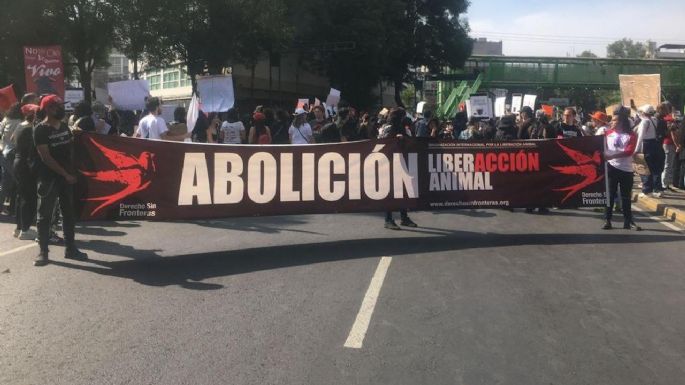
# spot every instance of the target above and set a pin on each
(331, 177)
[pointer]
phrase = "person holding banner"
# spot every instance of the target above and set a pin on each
(396, 129)
(56, 177)
(620, 145)
(568, 127)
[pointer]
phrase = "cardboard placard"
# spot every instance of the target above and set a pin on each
(516, 103)
(216, 92)
(642, 89)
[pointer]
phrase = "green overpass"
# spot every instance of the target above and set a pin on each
(551, 72)
(550, 75)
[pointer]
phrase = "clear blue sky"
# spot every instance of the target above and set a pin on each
(556, 28)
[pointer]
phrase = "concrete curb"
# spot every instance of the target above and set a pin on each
(660, 208)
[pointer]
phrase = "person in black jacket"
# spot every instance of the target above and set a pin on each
(506, 129)
(397, 129)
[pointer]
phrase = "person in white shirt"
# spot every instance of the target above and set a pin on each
(153, 126)
(232, 131)
(653, 151)
(300, 131)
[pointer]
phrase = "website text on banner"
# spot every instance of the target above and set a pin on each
(123, 178)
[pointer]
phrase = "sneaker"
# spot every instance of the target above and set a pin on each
(75, 254)
(391, 225)
(657, 194)
(632, 226)
(607, 226)
(543, 210)
(406, 222)
(642, 195)
(41, 259)
(16, 233)
(28, 235)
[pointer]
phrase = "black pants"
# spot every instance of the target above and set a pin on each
(655, 158)
(679, 171)
(27, 198)
(9, 189)
(624, 181)
(403, 215)
(51, 191)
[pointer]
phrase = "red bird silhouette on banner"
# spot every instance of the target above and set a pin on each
(131, 172)
(587, 167)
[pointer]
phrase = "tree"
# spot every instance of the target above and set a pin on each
(136, 33)
(86, 28)
(588, 54)
(627, 49)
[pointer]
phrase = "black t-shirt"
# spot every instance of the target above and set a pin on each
(59, 142)
(569, 131)
(330, 133)
(26, 150)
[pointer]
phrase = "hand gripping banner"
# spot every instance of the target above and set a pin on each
(135, 179)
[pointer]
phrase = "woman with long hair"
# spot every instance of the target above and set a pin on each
(619, 147)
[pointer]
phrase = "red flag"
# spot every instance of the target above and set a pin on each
(44, 70)
(7, 98)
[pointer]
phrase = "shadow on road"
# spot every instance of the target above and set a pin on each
(148, 268)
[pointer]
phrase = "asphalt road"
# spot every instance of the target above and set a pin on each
(470, 297)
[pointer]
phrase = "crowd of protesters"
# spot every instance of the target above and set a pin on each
(38, 169)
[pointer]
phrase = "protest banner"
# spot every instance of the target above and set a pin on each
(71, 97)
(642, 89)
(129, 94)
(44, 70)
(135, 179)
(7, 98)
(216, 93)
(516, 103)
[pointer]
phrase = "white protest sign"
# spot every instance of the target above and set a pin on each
(419, 107)
(333, 98)
(480, 107)
(216, 93)
(516, 103)
(529, 100)
(500, 106)
(302, 103)
(168, 112)
(71, 97)
(129, 95)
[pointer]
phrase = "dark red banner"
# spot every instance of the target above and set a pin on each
(124, 178)
(44, 70)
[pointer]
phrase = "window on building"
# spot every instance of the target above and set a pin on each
(155, 81)
(185, 79)
(171, 79)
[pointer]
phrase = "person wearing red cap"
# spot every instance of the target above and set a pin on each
(24, 176)
(600, 121)
(259, 132)
(56, 177)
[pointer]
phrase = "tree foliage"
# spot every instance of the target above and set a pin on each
(587, 54)
(627, 49)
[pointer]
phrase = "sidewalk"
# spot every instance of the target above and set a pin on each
(670, 206)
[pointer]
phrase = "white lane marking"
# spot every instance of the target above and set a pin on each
(361, 324)
(657, 219)
(18, 249)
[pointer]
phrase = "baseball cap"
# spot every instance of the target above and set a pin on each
(258, 117)
(647, 109)
(27, 109)
(299, 111)
(601, 116)
(49, 101)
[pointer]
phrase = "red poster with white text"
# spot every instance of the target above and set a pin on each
(44, 70)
